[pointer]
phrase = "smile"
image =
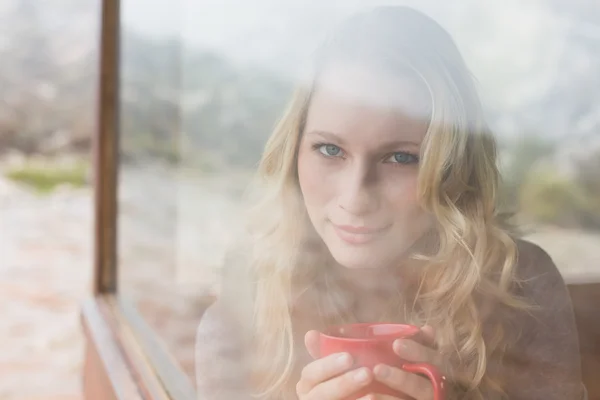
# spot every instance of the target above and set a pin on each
(357, 234)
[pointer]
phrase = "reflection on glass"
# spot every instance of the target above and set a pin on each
(150, 139)
(204, 85)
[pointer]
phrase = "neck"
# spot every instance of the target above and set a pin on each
(366, 281)
(381, 281)
(365, 295)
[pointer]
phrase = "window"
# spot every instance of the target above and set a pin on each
(202, 84)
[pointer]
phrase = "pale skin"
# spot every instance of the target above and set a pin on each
(358, 166)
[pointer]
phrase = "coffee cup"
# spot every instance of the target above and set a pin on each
(370, 344)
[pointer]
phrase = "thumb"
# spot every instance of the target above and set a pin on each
(311, 341)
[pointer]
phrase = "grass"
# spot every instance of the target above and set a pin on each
(46, 178)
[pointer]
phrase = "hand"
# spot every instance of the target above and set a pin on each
(331, 377)
(413, 385)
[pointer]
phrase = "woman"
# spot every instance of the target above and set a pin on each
(377, 202)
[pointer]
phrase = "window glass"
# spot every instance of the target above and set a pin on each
(203, 85)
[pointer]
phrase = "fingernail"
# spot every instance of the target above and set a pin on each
(367, 397)
(382, 371)
(343, 360)
(361, 375)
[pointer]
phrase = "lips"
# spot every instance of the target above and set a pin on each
(357, 234)
(362, 230)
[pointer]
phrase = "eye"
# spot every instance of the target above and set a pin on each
(402, 157)
(330, 150)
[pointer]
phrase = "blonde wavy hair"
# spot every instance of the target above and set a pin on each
(475, 258)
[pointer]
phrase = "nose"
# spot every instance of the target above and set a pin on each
(357, 190)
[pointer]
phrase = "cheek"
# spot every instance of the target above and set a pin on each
(412, 220)
(402, 195)
(311, 180)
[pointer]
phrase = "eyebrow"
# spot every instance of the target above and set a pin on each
(338, 139)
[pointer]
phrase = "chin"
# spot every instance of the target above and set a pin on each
(354, 262)
(379, 253)
(360, 257)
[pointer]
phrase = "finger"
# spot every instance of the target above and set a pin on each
(342, 386)
(323, 369)
(410, 350)
(378, 397)
(428, 335)
(311, 341)
(413, 385)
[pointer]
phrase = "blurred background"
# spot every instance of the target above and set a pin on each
(202, 85)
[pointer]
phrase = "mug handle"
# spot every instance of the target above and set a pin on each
(433, 373)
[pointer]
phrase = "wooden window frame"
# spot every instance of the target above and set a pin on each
(123, 357)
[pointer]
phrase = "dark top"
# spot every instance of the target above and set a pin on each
(543, 364)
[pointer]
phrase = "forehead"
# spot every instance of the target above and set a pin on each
(352, 100)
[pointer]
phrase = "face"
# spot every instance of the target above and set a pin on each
(358, 163)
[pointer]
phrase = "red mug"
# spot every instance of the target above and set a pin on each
(371, 344)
